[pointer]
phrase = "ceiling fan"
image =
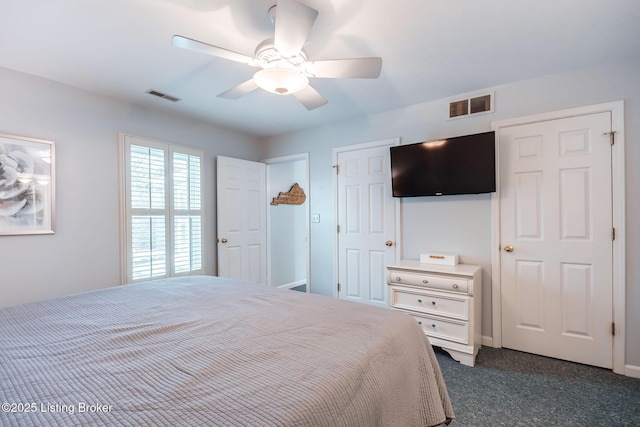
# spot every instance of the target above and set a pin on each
(283, 63)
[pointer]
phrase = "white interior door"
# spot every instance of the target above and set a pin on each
(556, 238)
(241, 219)
(366, 221)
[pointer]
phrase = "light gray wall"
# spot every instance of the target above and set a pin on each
(83, 254)
(461, 224)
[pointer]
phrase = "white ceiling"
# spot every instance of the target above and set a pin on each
(431, 49)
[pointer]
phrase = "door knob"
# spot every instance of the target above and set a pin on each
(388, 243)
(223, 240)
(508, 248)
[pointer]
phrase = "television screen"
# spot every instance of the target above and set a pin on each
(459, 165)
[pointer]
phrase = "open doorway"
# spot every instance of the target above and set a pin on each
(288, 223)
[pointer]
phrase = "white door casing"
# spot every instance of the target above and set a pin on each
(241, 218)
(367, 240)
(558, 291)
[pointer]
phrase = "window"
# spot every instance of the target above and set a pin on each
(162, 209)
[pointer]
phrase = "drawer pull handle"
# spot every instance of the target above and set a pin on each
(425, 281)
(455, 286)
(420, 301)
(397, 279)
(419, 322)
(433, 303)
(433, 325)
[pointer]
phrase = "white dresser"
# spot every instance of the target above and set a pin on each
(445, 300)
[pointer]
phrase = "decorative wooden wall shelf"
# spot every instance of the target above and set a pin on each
(295, 196)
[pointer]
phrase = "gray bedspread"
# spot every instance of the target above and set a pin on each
(214, 352)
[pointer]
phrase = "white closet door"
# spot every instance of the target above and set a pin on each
(556, 238)
(366, 217)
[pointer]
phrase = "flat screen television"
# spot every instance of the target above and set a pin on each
(459, 165)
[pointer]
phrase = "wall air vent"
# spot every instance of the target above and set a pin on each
(469, 106)
(163, 95)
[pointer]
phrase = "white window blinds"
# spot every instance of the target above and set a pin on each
(162, 209)
(187, 219)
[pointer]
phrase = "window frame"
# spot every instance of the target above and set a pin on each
(169, 211)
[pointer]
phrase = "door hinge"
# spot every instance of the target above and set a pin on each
(337, 168)
(338, 228)
(613, 233)
(338, 287)
(612, 136)
(613, 328)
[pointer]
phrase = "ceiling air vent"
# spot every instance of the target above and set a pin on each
(163, 95)
(469, 106)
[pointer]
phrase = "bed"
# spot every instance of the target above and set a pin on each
(211, 351)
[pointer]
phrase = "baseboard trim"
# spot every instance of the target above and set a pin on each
(487, 341)
(632, 371)
(293, 284)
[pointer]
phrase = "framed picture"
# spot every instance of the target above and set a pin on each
(27, 186)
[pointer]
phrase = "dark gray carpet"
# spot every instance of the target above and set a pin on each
(300, 288)
(511, 388)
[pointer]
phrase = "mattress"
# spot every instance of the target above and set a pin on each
(211, 351)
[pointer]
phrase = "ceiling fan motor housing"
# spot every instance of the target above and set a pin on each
(266, 53)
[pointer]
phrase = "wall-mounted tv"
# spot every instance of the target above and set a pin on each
(459, 165)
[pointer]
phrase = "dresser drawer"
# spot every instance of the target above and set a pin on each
(430, 302)
(431, 281)
(444, 329)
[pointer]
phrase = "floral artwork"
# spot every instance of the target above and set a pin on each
(26, 186)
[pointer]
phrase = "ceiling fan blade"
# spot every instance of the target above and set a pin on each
(363, 68)
(195, 45)
(240, 90)
(310, 98)
(293, 24)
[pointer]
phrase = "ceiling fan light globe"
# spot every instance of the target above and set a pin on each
(281, 81)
